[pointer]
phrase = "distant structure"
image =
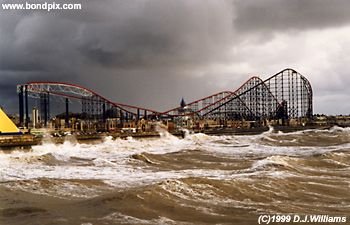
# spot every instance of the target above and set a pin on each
(35, 117)
(285, 95)
(182, 103)
(284, 98)
(183, 109)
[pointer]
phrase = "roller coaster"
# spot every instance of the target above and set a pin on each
(285, 95)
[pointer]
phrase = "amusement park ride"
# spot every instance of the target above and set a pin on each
(286, 95)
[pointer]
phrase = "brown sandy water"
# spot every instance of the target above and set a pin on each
(196, 180)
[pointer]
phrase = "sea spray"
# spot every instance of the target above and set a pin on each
(197, 179)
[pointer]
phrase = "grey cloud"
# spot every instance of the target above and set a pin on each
(277, 15)
(159, 33)
(36, 43)
(153, 52)
(119, 34)
(108, 40)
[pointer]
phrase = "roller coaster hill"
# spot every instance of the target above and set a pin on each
(283, 99)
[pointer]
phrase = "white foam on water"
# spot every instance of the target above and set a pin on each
(339, 129)
(126, 219)
(110, 160)
(342, 164)
(273, 160)
(186, 191)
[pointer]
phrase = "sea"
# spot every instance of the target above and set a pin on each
(198, 179)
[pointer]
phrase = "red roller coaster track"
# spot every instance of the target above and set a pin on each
(252, 97)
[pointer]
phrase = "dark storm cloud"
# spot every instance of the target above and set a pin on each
(153, 52)
(119, 34)
(124, 35)
(35, 43)
(114, 38)
(276, 15)
(158, 33)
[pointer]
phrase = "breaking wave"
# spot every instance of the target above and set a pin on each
(198, 179)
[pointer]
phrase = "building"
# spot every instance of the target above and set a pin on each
(185, 120)
(36, 118)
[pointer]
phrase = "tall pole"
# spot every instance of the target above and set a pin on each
(26, 106)
(21, 110)
(104, 116)
(126, 116)
(48, 106)
(67, 113)
(104, 112)
(121, 118)
(45, 110)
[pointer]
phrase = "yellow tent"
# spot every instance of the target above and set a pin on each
(6, 125)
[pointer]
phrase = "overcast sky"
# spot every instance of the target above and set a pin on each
(151, 53)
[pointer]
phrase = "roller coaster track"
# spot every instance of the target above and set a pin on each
(285, 94)
(212, 102)
(94, 105)
(256, 99)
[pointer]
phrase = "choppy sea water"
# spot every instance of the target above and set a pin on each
(196, 180)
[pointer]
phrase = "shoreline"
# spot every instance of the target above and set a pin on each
(26, 141)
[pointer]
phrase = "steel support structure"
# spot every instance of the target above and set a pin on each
(26, 105)
(95, 108)
(285, 95)
(21, 105)
(67, 114)
(45, 107)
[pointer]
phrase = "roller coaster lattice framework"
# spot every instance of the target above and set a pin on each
(285, 95)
